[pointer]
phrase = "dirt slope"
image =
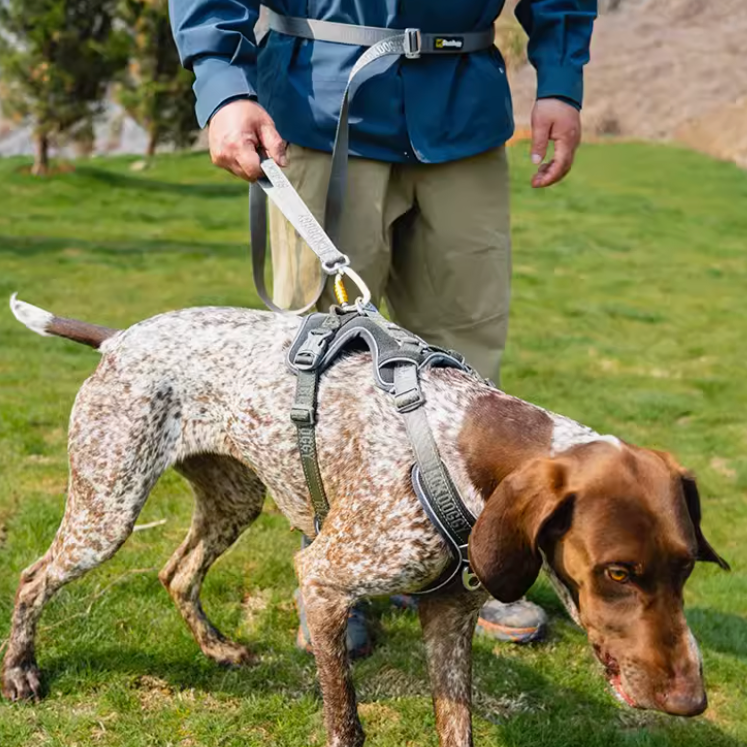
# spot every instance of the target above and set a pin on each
(665, 69)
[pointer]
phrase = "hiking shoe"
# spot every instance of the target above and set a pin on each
(404, 602)
(357, 638)
(518, 622)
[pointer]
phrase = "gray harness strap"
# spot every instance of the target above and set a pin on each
(381, 42)
(303, 414)
(398, 357)
(306, 357)
(444, 499)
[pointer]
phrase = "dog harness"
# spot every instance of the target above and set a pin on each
(410, 43)
(398, 358)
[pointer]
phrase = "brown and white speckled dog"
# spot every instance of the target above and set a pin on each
(206, 391)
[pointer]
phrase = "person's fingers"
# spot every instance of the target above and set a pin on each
(539, 178)
(558, 167)
(540, 138)
(273, 144)
(247, 163)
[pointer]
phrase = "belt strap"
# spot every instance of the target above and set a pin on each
(381, 42)
(416, 42)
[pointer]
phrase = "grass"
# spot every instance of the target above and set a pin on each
(629, 314)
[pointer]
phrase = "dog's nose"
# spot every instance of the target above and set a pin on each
(684, 700)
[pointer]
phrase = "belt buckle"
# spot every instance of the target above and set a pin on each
(412, 44)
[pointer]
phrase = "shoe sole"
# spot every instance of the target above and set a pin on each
(507, 633)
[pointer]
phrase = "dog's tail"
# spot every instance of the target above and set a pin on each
(46, 324)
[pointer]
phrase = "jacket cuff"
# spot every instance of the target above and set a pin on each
(217, 82)
(565, 83)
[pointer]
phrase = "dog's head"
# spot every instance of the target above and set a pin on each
(619, 529)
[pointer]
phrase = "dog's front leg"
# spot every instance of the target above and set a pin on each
(327, 617)
(448, 624)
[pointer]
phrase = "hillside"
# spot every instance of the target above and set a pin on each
(665, 70)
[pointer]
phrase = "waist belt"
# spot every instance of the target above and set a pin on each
(410, 43)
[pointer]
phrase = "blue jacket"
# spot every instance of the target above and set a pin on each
(432, 109)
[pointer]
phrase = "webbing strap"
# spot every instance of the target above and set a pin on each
(303, 414)
(444, 499)
(418, 42)
(276, 185)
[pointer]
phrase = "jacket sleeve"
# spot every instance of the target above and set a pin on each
(559, 39)
(215, 39)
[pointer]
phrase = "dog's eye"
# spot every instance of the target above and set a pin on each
(618, 574)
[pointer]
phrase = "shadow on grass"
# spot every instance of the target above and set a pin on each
(36, 245)
(719, 631)
(144, 184)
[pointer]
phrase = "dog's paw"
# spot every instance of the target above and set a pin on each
(22, 683)
(230, 654)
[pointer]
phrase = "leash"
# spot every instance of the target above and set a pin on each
(410, 43)
(275, 185)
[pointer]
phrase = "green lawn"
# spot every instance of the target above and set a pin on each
(630, 314)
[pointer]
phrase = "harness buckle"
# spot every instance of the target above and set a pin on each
(312, 349)
(302, 415)
(409, 400)
(413, 44)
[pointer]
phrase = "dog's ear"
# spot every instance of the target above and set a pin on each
(692, 499)
(706, 553)
(530, 505)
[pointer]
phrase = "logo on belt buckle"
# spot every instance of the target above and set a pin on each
(448, 42)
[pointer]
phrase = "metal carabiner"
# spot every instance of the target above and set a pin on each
(365, 297)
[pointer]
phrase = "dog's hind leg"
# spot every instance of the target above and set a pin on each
(228, 498)
(118, 450)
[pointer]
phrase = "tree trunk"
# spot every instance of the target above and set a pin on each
(41, 155)
(152, 142)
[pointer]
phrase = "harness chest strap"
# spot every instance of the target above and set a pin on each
(303, 412)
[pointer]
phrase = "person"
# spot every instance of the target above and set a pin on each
(426, 212)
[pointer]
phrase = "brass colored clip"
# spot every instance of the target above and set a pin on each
(340, 293)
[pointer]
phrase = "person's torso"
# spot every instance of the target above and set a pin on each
(436, 108)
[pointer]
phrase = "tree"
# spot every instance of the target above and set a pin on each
(157, 91)
(57, 59)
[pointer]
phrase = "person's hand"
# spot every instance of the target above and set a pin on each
(236, 131)
(553, 119)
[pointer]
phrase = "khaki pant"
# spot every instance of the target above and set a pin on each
(432, 239)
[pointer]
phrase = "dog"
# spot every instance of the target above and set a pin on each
(206, 391)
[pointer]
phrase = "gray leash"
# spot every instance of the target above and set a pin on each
(275, 185)
(410, 43)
